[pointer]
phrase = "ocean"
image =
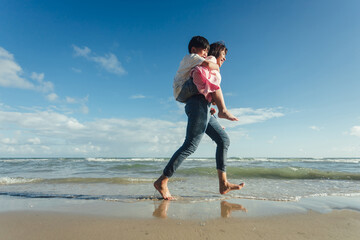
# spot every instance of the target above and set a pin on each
(131, 179)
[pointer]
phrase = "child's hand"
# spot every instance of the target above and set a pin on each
(212, 111)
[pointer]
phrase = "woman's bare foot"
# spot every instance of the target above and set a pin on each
(226, 187)
(161, 186)
(227, 115)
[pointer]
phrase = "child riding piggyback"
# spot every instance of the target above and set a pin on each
(198, 51)
(200, 74)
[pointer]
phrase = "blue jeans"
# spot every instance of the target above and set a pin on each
(200, 121)
(188, 90)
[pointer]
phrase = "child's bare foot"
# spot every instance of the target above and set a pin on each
(161, 186)
(227, 115)
(226, 187)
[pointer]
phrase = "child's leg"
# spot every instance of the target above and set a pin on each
(218, 98)
(188, 90)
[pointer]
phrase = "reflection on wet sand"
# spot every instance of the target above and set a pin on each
(161, 210)
(226, 209)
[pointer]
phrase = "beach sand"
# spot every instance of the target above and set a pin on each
(309, 218)
(28, 225)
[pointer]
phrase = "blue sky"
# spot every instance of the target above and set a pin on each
(94, 78)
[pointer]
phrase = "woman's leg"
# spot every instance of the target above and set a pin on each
(215, 131)
(218, 98)
(222, 140)
(198, 112)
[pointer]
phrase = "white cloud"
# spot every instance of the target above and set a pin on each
(34, 141)
(351, 149)
(83, 52)
(86, 148)
(42, 85)
(42, 121)
(52, 97)
(315, 128)
(8, 141)
(137, 96)
(250, 116)
(48, 133)
(70, 100)
(109, 61)
(84, 109)
(355, 131)
(82, 101)
(4, 106)
(11, 75)
(38, 76)
(10, 72)
(272, 140)
(64, 135)
(76, 70)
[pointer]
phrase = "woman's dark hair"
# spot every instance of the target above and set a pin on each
(216, 48)
(198, 42)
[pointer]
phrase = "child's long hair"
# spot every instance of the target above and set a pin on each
(216, 48)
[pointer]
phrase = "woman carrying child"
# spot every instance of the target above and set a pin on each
(200, 120)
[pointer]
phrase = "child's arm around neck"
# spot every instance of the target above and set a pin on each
(210, 65)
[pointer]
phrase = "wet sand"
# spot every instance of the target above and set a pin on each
(338, 224)
(310, 218)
